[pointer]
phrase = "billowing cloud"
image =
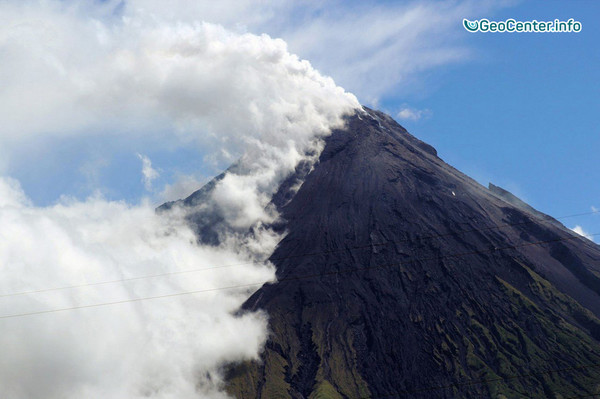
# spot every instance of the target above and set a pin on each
(159, 348)
(198, 83)
(136, 68)
(189, 84)
(131, 70)
(374, 49)
(74, 71)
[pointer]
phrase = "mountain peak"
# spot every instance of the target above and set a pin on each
(399, 274)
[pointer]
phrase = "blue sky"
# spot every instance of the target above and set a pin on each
(523, 112)
(519, 110)
(109, 108)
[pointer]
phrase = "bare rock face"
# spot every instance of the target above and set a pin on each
(402, 277)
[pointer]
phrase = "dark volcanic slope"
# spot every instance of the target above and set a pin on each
(415, 287)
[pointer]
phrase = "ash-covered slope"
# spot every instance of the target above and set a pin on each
(402, 277)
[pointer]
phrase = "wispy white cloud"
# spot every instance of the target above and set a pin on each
(413, 114)
(149, 174)
(377, 50)
(91, 170)
(183, 186)
(579, 230)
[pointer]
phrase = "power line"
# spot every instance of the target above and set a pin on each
(197, 270)
(528, 375)
(303, 277)
(122, 280)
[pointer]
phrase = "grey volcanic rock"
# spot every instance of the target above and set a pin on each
(420, 283)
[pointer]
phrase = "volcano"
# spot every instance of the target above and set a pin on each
(399, 276)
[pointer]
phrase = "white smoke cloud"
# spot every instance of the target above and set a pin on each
(374, 49)
(76, 71)
(132, 76)
(193, 84)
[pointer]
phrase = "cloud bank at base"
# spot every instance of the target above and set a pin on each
(161, 348)
(67, 75)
